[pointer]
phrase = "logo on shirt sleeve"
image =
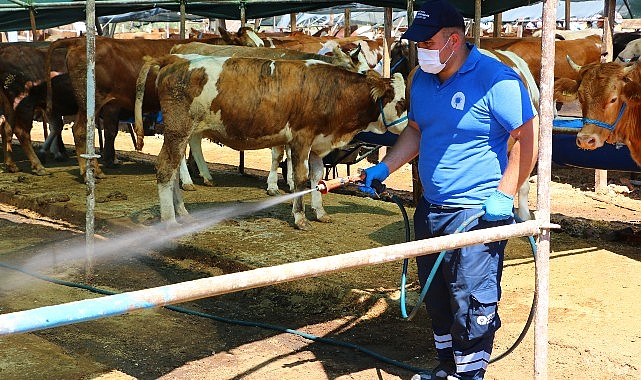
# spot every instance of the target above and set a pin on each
(458, 101)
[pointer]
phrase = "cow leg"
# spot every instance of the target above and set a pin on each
(7, 148)
(22, 130)
(166, 192)
(290, 171)
(79, 130)
(272, 179)
(315, 175)
(197, 153)
(299, 167)
(110, 122)
(168, 161)
(523, 211)
(185, 178)
(58, 146)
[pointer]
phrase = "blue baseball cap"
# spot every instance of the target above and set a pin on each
(433, 16)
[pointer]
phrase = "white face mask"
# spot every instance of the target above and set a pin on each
(430, 60)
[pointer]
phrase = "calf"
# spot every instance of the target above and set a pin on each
(248, 103)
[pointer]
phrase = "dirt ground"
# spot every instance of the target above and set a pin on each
(595, 263)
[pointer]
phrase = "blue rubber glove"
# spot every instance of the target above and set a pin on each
(380, 172)
(498, 207)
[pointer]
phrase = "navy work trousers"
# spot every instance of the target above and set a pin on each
(463, 295)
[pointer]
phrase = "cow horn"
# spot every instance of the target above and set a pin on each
(573, 65)
(354, 53)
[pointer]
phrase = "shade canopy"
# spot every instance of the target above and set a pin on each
(15, 14)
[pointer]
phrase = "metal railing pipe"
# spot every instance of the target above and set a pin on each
(96, 308)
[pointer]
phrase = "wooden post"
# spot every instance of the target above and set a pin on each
(417, 187)
(543, 202)
(477, 22)
(292, 22)
(568, 15)
(601, 176)
(182, 19)
(347, 31)
(32, 18)
(387, 38)
(498, 25)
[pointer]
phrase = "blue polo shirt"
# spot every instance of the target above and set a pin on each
(465, 124)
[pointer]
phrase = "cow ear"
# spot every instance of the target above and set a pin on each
(224, 34)
(632, 92)
(565, 90)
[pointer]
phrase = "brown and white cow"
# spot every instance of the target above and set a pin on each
(249, 103)
(610, 97)
(118, 63)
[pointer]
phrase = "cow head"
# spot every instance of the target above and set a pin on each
(606, 91)
(631, 52)
(347, 51)
(389, 94)
(244, 37)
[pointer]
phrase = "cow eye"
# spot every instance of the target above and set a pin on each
(613, 100)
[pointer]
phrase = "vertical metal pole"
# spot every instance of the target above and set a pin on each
(91, 127)
(543, 192)
(241, 154)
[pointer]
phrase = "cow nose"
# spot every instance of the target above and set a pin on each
(586, 141)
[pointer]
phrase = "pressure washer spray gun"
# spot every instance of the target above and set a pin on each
(325, 186)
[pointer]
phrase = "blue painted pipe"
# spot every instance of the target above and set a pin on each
(96, 308)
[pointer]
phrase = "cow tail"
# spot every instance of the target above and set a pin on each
(49, 102)
(140, 94)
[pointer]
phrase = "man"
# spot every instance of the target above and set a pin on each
(463, 108)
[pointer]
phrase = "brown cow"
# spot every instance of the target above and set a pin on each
(22, 72)
(610, 96)
(582, 51)
(249, 103)
(117, 65)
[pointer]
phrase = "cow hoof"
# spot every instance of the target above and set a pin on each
(188, 187)
(304, 225)
(325, 218)
(273, 192)
(100, 175)
(186, 219)
(208, 183)
(11, 168)
(41, 172)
